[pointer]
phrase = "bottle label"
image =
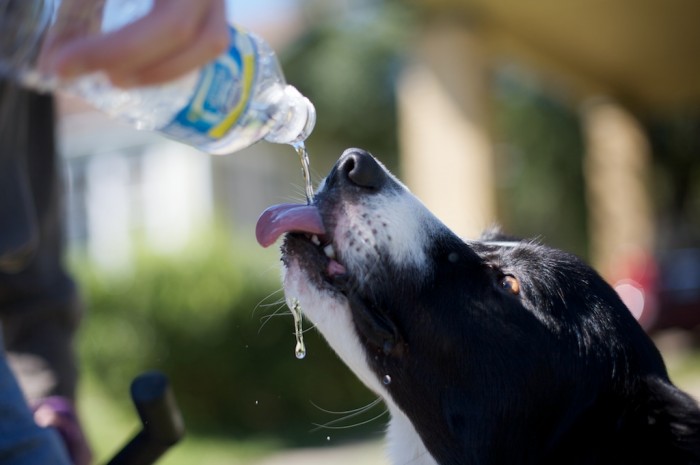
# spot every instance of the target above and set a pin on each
(221, 95)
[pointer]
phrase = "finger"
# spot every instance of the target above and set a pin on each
(166, 29)
(213, 40)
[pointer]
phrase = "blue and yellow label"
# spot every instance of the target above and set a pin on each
(221, 96)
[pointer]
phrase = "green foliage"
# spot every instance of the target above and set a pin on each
(213, 319)
(540, 159)
(675, 143)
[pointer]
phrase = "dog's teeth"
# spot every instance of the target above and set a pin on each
(329, 251)
(315, 240)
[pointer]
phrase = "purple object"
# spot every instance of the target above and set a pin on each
(59, 413)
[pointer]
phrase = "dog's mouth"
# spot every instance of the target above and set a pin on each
(307, 241)
(301, 223)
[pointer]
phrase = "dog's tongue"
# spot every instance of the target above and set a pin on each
(287, 217)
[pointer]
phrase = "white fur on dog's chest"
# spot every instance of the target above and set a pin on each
(330, 316)
(405, 446)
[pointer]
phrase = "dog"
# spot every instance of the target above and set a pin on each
(496, 351)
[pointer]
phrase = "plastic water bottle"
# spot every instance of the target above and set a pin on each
(229, 104)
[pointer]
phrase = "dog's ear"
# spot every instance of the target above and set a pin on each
(668, 423)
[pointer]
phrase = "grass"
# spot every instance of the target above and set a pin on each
(109, 426)
(684, 370)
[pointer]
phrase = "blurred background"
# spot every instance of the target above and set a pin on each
(576, 122)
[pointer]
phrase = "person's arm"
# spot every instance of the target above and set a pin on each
(175, 37)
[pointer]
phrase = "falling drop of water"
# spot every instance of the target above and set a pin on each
(386, 380)
(300, 348)
(300, 147)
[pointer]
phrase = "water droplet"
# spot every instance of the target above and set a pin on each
(386, 380)
(300, 348)
(388, 347)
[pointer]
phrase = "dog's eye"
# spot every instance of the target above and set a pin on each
(510, 284)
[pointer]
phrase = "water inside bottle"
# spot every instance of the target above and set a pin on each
(300, 147)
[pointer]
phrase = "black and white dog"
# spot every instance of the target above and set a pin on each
(492, 352)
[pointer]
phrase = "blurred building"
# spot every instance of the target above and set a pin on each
(620, 61)
(124, 183)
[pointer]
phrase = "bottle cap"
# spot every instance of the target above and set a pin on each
(299, 121)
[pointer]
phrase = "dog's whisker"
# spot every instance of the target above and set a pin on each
(364, 408)
(354, 425)
(264, 304)
(332, 425)
(282, 310)
(310, 328)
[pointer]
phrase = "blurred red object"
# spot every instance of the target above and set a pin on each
(661, 292)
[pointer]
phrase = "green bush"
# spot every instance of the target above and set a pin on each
(213, 319)
(539, 156)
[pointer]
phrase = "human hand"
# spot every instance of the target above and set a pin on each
(175, 37)
(58, 412)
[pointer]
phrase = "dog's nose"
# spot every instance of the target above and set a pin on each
(362, 169)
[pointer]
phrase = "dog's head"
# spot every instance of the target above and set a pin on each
(497, 348)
